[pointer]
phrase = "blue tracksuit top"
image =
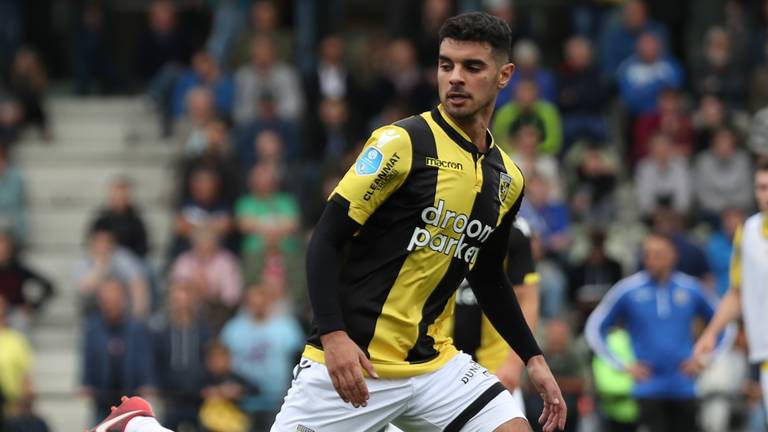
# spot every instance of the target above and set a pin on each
(658, 317)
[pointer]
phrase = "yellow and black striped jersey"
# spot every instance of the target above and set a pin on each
(426, 200)
(472, 332)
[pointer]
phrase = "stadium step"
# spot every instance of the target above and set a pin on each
(94, 141)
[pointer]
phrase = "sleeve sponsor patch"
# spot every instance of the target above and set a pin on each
(369, 162)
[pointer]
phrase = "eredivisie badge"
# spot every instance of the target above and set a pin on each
(505, 181)
(369, 161)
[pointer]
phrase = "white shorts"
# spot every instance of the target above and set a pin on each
(460, 396)
(764, 385)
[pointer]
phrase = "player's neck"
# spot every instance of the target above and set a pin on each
(476, 128)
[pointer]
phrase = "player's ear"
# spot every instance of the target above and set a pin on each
(505, 74)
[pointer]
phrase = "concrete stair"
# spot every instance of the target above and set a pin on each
(95, 140)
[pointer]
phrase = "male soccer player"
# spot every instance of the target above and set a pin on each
(747, 294)
(430, 200)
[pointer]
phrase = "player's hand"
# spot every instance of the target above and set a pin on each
(555, 412)
(704, 346)
(345, 362)
(639, 371)
(693, 366)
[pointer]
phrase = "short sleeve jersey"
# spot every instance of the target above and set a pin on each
(426, 200)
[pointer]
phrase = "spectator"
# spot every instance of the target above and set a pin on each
(269, 221)
(332, 135)
(433, 15)
(618, 39)
(117, 360)
(758, 132)
(214, 272)
(552, 284)
(718, 71)
(548, 217)
(15, 363)
(29, 82)
(591, 279)
(105, 260)
(264, 75)
(657, 307)
(10, 122)
(267, 121)
(332, 79)
(722, 176)
(528, 109)
(24, 290)
(668, 118)
(206, 207)
(568, 368)
(204, 73)
(264, 344)
(24, 418)
(526, 143)
(92, 65)
(645, 74)
(263, 21)
(124, 219)
(690, 257)
(13, 199)
(180, 338)
(663, 178)
(526, 56)
(190, 129)
(224, 392)
(592, 183)
(614, 387)
(710, 116)
(217, 156)
(582, 94)
(720, 248)
(163, 49)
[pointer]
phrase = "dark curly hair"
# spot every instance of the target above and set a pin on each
(479, 27)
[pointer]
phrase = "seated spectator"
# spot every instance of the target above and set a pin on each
(663, 178)
(117, 358)
(548, 217)
(163, 48)
(552, 281)
(28, 84)
(668, 118)
(758, 132)
(190, 129)
(266, 75)
(93, 69)
(104, 261)
(528, 109)
(526, 56)
(594, 170)
(582, 94)
(645, 74)
(719, 248)
(15, 363)
(618, 39)
(214, 272)
(264, 344)
(758, 83)
(204, 73)
(24, 418)
(691, 258)
(181, 336)
(263, 20)
(267, 120)
(25, 291)
(332, 79)
(332, 134)
(719, 71)
(224, 391)
(217, 156)
(526, 143)
(205, 207)
(269, 222)
(568, 368)
(590, 279)
(11, 117)
(710, 116)
(124, 219)
(13, 199)
(722, 176)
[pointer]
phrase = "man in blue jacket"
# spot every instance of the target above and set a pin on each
(657, 307)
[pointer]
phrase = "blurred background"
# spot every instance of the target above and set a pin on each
(162, 164)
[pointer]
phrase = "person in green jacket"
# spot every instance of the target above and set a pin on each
(614, 388)
(528, 109)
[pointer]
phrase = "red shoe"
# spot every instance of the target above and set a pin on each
(121, 415)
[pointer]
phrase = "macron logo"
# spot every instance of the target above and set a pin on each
(387, 136)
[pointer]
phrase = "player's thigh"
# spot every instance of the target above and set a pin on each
(514, 425)
(312, 404)
(461, 396)
(764, 385)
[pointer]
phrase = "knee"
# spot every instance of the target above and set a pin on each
(514, 425)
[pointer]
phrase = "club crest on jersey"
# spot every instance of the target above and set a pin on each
(505, 181)
(369, 162)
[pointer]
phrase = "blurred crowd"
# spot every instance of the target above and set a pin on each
(626, 116)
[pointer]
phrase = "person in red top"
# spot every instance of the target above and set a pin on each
(669, 118)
